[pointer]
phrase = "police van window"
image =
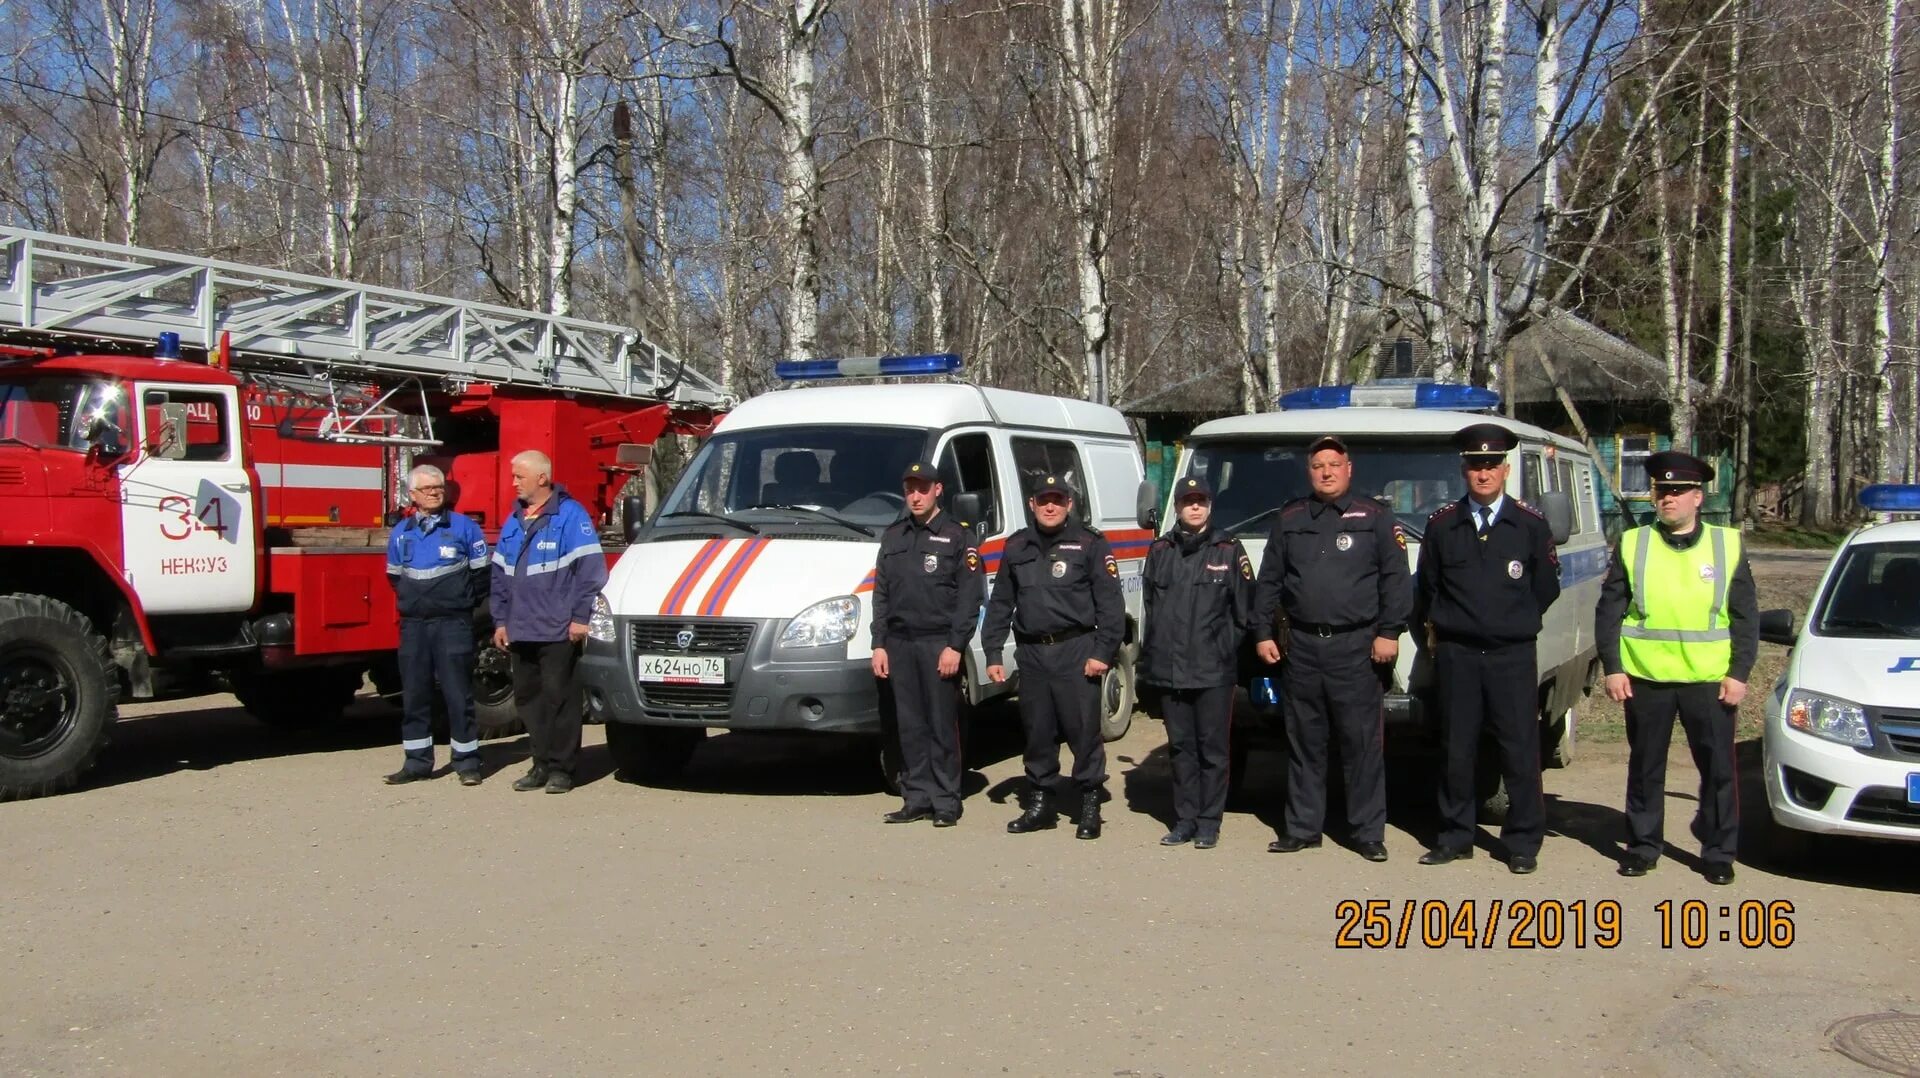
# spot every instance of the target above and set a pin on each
(1533, 481)
(1565, 484)
(966, 467)
(1875, 593)
(206, 421)
(1251, 479)
(1037, 458)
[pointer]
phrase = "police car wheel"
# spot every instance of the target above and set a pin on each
(652, 754)
(1117, 696)
(58, 689)
(891, 763)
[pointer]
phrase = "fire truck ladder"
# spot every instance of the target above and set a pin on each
(327, 329)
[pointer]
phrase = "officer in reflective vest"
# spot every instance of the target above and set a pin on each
(1678, 630)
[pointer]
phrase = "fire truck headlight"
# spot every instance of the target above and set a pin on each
(830, 621)
(600, 625)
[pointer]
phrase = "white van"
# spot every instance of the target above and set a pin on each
(742, 604)
(1401, 438)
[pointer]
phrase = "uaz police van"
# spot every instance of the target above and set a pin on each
(1842, 736)
(1400, 434)
(743, 603)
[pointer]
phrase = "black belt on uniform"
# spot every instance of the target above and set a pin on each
(1060, 637)
(1328, 630)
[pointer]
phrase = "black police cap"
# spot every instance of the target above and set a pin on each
(1327, 441)
(1193, 486)
(1672, 468)
(1485, 440)
(1051, 484)
(920, 469)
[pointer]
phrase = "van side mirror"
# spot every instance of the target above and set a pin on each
(1776, 627)
(1557, 507)
(633, 516)
(1146, 506)
(968, 508)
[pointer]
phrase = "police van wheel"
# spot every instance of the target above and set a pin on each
(1117, 696)
(1556, 739)
(58, 689)
(891, 763)
(296, 699)
(650, 754)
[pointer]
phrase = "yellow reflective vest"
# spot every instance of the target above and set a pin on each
(1677, 628)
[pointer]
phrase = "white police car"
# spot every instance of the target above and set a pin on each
(1842, 739)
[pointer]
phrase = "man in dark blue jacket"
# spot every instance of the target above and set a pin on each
(547, 570)
(437, 564)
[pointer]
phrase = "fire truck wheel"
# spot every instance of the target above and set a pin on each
(652, 754)
(493, 708)
(296, 699)
(58, 689)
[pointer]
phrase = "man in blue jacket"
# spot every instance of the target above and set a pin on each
(546, 572)
(437, 564)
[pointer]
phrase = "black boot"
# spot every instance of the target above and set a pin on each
(1039, 814)
(1089, 815)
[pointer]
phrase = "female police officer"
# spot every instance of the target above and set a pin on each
(1199, 590)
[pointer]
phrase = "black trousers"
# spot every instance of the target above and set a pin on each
(1492, 691)
(1057, 698)
(1333, 688)
(1199, 723)
(437, 654)
(544, 697)
(923, 709)
(1709, 727)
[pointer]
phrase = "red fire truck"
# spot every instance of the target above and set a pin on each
(216, 506)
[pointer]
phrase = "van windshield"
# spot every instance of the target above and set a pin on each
(836, 477)
(1251, 479)
(1875, 592)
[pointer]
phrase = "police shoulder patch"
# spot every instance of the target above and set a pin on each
(1113, 567)
(973, 559)
(1246, 568)
(1400, 535)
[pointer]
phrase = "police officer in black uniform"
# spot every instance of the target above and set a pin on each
(927, 589)
(1199, 594)
(1336, 566)
(1488, 573)
(1059, 591)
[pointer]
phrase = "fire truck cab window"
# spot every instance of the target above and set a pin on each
(53, 413)
(206, 421)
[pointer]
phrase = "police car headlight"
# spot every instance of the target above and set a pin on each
(1825, 717)
(830, 621)
(600, 625)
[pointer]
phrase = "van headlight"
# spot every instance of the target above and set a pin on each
(1826, 717)
(600, 625)
(829, 621)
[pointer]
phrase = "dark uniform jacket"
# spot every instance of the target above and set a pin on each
(1743, 608)
(437, 565)
(1486, 590)
(1056, 583)
(927, 582)
(1199, 596)
(1339, 564)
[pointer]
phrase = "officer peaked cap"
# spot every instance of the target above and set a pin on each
(1485, 440)
(920, 469)
(1672, 468)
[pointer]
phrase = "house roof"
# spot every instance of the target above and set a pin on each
(1591, 364)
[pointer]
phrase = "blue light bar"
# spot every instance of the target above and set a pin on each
(796, 370)
(168, 347)
(1891, 498)
(1403, 394)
